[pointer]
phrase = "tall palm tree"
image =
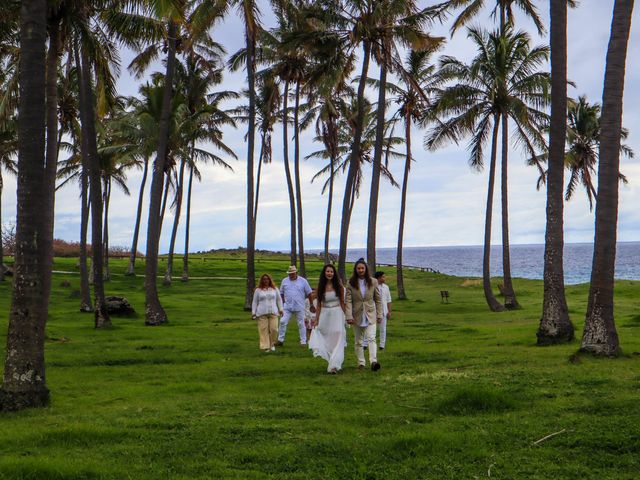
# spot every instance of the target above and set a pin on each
(267, 106)
(555, 325)
(92, 165)
(250, 14)
(330, 96)
(282, 51)
(396, 22)
(600, 336)
(504, 10)
(502, 78)
(24, 382)
(140, 126)
(205, 123)
(154, 313)
(412, 108)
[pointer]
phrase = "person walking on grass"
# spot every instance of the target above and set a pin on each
(364, 312)
(266, 308)
(294, 290)
(328, 336)
(385, 298)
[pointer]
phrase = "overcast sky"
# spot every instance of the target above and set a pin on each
(446, 199)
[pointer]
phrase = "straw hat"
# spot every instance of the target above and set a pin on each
(292, 269)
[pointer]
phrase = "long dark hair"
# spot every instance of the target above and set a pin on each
(353, 281)
(335, 281)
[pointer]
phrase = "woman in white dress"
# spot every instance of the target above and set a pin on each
(329, 336)
(266, 308)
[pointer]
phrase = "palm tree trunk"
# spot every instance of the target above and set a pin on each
(51, 145)
(600, 336)
(377, 163)
(107, 199)
(403, 207)
(187, 221)
(176, 222)
(292, 200)
(510, 301)
(258, 176)
(154, 313)
(296, 128)
(347, 202)
(165, 197)
(555, 325)
(251, 134)
(24, 369)
(332, 162)
(493, 303)
(85, 289)
(87, 115)
(136, 229)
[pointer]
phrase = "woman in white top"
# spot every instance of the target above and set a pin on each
(267, 306)
(329, 335)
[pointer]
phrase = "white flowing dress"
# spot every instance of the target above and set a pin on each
(329, 337)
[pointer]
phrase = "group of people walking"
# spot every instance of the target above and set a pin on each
(323, 314)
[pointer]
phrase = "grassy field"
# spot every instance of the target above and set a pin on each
(462, 394)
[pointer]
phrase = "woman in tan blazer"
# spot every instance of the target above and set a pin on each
(364, 312)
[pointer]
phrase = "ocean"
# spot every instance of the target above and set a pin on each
(527, 261)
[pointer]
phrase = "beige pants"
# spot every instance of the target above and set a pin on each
(268, 328)
(368, 333)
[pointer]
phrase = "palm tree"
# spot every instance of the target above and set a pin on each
(282, 51)
(116, 157)
(154, 313)
(501, 79)
(339, 157)
(555, 325)
(204, 124)
(600, 336)
(412, 108)
(583, 138)
(251, 16)
(581, 156)
(397, 21)
(24, 382)
(330, 98)
(267, 103)
(140, 126)
(92, 164)
(503, 8)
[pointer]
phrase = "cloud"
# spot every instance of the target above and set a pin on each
(446, 199)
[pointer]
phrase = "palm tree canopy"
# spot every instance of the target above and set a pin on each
(503, 78)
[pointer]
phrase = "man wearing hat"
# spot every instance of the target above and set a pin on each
(294, 290)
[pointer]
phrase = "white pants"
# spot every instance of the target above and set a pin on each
(301, 327)
(368, 333)
(383, 332)
(383, 335)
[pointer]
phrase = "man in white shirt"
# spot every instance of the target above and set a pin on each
(385, 298)
(294, 290)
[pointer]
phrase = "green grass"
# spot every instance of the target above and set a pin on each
(462, 392)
